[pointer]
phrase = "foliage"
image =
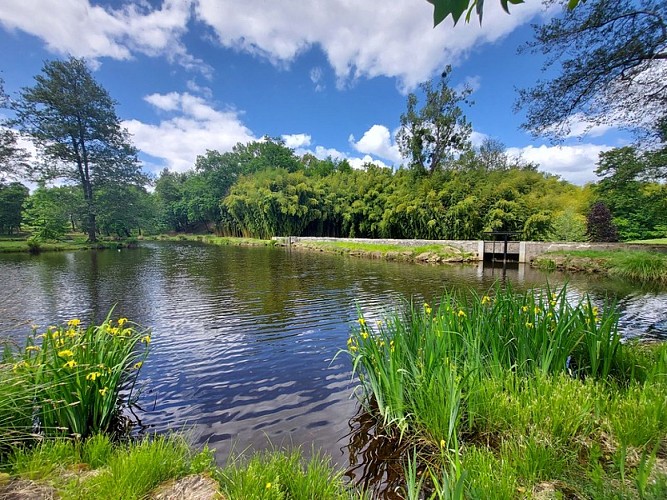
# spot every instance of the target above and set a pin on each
(430, 135)
(121, 471)
(610, 58)
(12, 197)
(568, 226)
(281, 475)
(535, 384)
(72, 120)
(77, 375)
(444, 8)
(631, 188)
(45, 214)
(599, 225)
(12, 157)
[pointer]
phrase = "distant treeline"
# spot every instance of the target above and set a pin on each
(262, 189)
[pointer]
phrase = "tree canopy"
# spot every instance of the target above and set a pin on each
(612, 62)
(72, 120)
(429, 135)
(456, 8)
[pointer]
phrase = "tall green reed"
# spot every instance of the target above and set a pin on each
(80, 376)
(420, 364)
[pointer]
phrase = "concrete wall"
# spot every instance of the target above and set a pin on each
(470, 246)
(527, 250)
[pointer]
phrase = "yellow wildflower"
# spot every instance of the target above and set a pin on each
(20, 364)
(138, 365)
(93, 375)
(537, 310)
(427, 309)
(462, 313)
(442, 443)
(268, 486)
(364, 335)
(379, 322)
(529, 324)
(146, 339)
(362, 321)
(122, 321)
(70, 364)
(353, 348)
(74, 322)
(486, 299)
(66, 353)
(391, 346)
(524, 308)
(32, 348)
(71, 333)
(103, 391)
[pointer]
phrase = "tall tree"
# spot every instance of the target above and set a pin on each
(73, 122)
(613, 68)
(429, 135)
(12, 197)
(12, 157)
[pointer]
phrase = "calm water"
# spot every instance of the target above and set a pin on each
(245, 339)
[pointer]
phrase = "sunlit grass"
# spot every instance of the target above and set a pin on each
(638, 266)
(282, 474)
(387, 250)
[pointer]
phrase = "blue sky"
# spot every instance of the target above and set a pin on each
(331, 77)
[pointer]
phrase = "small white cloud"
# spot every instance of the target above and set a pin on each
(477, 138)
(576, 163)
(164, 102)
(296, 140)
(316, 74)
(377, 141)
(194, 87)
(474, 83)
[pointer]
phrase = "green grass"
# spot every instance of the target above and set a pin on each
(643, 267)
(655, 241)
(510, 393)
(127, 471)
(431, 253)
(212, 240)
(22, 245)
(97, 468)
(282, 474)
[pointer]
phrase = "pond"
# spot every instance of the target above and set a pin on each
(245, 340)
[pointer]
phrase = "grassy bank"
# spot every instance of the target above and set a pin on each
(643, 267)
(26, 245)
(424, 253)
(513, 395)
(213, 240)
(63, 434)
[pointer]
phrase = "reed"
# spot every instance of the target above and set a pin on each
(532, 381)
(78, 378)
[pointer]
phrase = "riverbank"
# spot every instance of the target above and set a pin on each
(510, 395)
(212, 240)
(431, 254)
(26, 245)
(638, 266)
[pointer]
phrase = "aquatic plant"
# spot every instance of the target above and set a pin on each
(508, 390)
(77, 378)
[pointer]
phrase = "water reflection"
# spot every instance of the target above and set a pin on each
(245, 339)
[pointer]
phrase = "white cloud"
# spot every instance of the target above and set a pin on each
(296, 140)
(194, 127)
(474, 83)
(477, 138)
(81, 29)
(576, 163)
(377, 141)
(360, 39)
(316, 74)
